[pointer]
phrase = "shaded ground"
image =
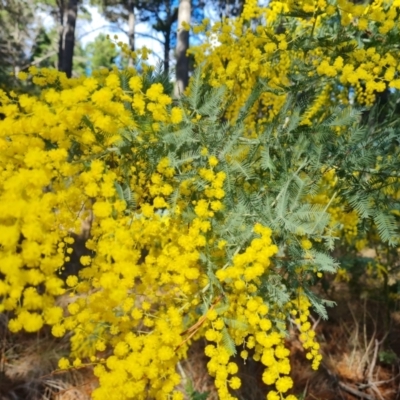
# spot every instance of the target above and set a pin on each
(360, 343)
(27, 362)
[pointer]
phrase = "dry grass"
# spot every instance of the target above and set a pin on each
(27, 365)
(354, 342)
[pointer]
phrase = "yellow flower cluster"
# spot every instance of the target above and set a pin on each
(343, 222)
(47, 191)
(301, 311)
(346, 222)
(252, 327)
(250, 48)
(164, 268)
(138, 292)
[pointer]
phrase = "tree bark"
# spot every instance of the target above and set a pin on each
(167, 49)
(131, 28)
(165, 26)
(182, 45)
(68, 39)
(61, 8)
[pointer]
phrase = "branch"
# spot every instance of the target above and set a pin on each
(94, 30)
(144, 35)
(354, 392)
(373, 362)
(150, 37)
(39, 60)
(378, 383)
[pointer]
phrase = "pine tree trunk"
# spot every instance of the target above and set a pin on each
(61, 8)
(182, 45)
(131, 28)
(167, 49)
(172, 16)
(68, 39)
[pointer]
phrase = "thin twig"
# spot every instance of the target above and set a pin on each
(365, 357)
(398, 392)
(183, 373)
(354, 392)
(353, 352)
(366, 385)
(315, 322)
(39, 60)
(375, 389)
(306, 389)
(373, 362)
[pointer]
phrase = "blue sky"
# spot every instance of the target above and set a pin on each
(87, 30)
